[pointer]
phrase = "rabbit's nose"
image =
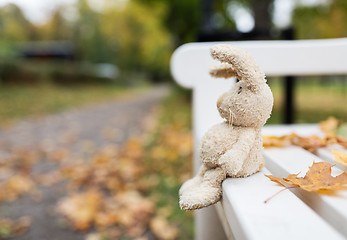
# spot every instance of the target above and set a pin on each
(220, 100)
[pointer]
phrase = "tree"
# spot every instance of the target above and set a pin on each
(137, 34)
(322, 21)
(14, 26)
(57, 27)
(88, 37)
(181, 17)
(186, 18)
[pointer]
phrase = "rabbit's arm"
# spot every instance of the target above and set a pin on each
(232, 160)
(223, 70)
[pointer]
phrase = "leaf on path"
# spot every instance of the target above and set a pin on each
(81, 208)
(94, 236)
(340, 156)
(162, 229)
(135, 211)
(10, 228)
(15, 186)
(317, 178)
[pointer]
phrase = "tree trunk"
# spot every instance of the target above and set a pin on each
(262, 15)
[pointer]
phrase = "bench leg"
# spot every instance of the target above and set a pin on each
(208, 225)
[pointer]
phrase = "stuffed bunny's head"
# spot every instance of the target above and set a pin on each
(249, 102)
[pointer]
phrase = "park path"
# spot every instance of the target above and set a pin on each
(82, 132)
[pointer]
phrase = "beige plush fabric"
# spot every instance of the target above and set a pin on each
(232, 148)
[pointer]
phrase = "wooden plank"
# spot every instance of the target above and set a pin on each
(284, 217)
(284, 161)
(190, 62)
(303, 130)
(224, 221)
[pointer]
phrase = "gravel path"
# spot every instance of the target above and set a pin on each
(81, 131)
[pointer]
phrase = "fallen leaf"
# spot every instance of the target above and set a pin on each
(162, 229)
(81, 208)
(330, 125)
(274, 141)
(310, 143)
(340, 156)
(15, 187)
(93, 236)
(11, 228)
(342, 141)
(335, 134)
(317, 178)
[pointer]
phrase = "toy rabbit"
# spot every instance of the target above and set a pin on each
(232, 148)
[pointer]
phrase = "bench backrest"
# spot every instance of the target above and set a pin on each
(191, 62)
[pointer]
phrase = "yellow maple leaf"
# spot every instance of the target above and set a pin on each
(340, 156)
(317, 178)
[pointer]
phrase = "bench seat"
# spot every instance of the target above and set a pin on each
(242, 212)
(292, 214)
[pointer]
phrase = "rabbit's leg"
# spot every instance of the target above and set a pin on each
(193, 181)
(204, 193)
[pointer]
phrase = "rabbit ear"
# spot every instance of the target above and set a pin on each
(244, 65)
(223, 70)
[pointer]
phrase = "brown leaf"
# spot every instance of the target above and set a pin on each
(162, 229)
(273, 141)
(16, 186)
(11, 228)
(310, 143)
(342, 141)
(330, 125)
(81, 208)
(340, 157)
(317, 178)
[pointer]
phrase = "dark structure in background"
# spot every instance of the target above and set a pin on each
(50, 50)
(261, 31)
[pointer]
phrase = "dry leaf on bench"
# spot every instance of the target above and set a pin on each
(317, 178)
(310, 143)
(340, 156)
(330, 125)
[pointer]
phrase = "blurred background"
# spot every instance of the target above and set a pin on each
(95, 137)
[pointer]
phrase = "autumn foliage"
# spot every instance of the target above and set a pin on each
(316, 179)
(310, 143)
(127, 191)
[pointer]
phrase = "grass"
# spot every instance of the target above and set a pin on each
(18, 102)
(315, 99)
(169, 157)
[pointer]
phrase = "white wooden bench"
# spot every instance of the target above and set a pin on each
(242, 213)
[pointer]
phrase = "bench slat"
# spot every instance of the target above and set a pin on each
(303, 130)
(284, 217)
(324, 153)
(289, 160)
